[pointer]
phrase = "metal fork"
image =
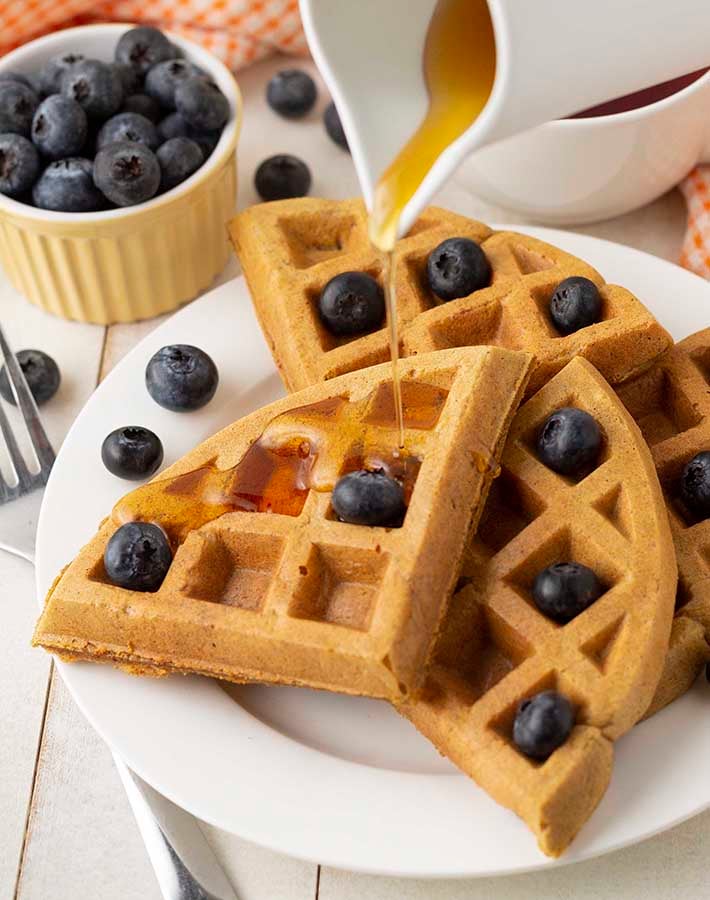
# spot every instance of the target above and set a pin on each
(183, 861)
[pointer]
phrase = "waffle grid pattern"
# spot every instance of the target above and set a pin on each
(497, 648)
(308, 599)
(671, 404)
(290, 249)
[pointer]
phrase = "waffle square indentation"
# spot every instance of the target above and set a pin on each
(313, 239)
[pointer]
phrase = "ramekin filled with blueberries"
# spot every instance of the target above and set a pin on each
(117, 170)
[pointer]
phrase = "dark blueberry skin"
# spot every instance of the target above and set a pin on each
(281, 177)
(172, 126)
(179, 158)
(181, 377)
(457, 268)
(542, 724)
(162, 80)
(334, 127)
(695, 485)
(143, 47)
(19, 165)
(138, 557)
(352, 303)
(575, 304)
(205, 140)
(41, 373)
(127, 173)
(17, 106)
(96, 86)
(565, 589)
(201, 103)
(569, 441)
(144, 106)
(132, 452)
(291, 93)
(53, 70)
(369, 498)
(59, 127)
(18, 78)
(128, 126)
(131, 79)
(67, 185)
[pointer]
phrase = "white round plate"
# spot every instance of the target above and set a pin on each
(338, 780)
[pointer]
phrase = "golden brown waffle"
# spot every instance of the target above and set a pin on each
(671, 403)
(497, 649)
(305, 599)
(290, 249)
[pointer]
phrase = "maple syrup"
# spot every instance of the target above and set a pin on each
(459, 69)
(303, 449)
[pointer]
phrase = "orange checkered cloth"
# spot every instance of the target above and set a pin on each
(239, 32)
(695, 254)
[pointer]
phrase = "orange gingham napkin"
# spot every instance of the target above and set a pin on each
(237, 31)
(696, 247)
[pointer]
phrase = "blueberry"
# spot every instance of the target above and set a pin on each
(144, 106)
(132, 453)
(143, 47)
(369, 498)
(173, 125)
(162, 80)
(542, 724)
(138, 557)
(281, 177)
(179, 158)
(131, 78)
(291, 93)
(575, 304)
(334, 126)
(201, 103)
(127, 173)
(128, 126)
(19, 165)
(351, 303)
(695, 485)
(41, 373)
(59, 127)
(181, 377)
(205, 140)
(17, 106)
(67, 185)
(51, 73)
(96, 86)
(569, 441)
(18, 78)
(457, 268)
(565, 589)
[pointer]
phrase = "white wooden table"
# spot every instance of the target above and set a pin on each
(66, 831)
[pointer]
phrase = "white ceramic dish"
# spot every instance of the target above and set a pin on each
(339, 780)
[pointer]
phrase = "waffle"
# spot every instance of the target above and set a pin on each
(496, 648)
(290, 249)
(671, 404)
(303, 598)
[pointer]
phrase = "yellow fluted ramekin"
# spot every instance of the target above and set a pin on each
(131, 263)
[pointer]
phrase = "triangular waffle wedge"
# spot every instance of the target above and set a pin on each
(497, 649)
(303, 598)
(290, 249)
(671, 403)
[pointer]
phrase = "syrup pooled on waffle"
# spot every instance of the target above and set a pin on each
(290, 249)
(671, 403)
(498, 649)
(266, 584)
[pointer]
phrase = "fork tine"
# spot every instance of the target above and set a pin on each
(28, 408)
(16, 457)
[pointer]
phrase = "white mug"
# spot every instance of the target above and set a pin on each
(552, 59)
(581, 170)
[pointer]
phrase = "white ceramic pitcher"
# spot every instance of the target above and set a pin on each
(554, 58)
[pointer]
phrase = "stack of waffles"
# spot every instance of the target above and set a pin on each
(436, 616)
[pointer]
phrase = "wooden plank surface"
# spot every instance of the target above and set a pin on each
(81, 841)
